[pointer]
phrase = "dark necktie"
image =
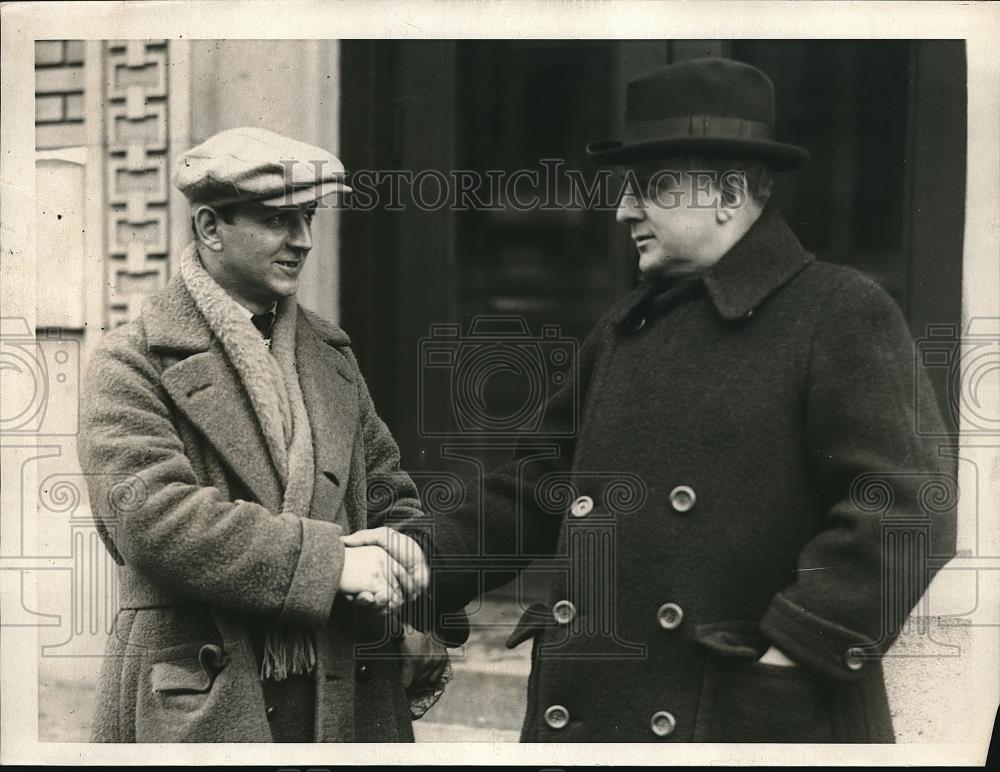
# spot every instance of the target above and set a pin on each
(263, 323)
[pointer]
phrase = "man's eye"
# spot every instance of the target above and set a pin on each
(648, 186)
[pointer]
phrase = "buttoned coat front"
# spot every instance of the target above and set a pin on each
(188, 502)
(736, 465)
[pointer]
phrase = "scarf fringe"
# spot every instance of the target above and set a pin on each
(287, 651)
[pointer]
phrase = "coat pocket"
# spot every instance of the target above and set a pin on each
(197, 692)
(189, 675)
(535, 619)
(743, 700)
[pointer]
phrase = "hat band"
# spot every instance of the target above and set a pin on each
(708, 126)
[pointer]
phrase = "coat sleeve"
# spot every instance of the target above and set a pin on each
(391, 499)
(180, 534)
(500, 528)
(391, 496)
(888, 493)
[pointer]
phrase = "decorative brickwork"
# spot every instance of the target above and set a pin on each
(59, 85)
(137, 173)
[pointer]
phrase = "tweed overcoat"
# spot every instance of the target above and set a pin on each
(739, 467)
(188, 502)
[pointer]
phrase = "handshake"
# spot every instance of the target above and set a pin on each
(383, 569)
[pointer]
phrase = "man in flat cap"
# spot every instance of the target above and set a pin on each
(747, 456)
(244, 433)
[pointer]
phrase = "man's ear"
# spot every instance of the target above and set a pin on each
(734, 195)
(206, 225)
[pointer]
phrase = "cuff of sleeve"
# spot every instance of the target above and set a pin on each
(833, 651)
(317, 575)
(453, 634)
(424, 615)
(429, 612)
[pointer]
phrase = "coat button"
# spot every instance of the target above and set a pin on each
(363, 672)
(564, 611)
(682, 498)
(556, 716)
(670, 615)
(582, 507)
(663, 723)
(269, 710)
(634, 323)
(854, 658)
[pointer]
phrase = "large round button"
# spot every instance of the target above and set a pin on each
(670, 616)
(363, 672)
(582, 507)
(556, 716)
(634, 323)
(682, 498)
(564, 611)
(269, 710)
(854, 658)
(662, 723)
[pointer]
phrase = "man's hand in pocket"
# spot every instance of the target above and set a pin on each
(775, 656)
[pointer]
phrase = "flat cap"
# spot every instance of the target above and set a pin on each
(255, 165)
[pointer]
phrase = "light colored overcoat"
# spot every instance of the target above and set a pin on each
(186, 497)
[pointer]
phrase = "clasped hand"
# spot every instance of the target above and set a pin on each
(383, 568)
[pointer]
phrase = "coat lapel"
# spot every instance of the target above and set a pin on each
(206, 389)
(331, 398)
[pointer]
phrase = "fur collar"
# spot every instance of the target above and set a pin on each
(172, 322)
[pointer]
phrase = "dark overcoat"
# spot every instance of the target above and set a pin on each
(741, 469)
(188, 502)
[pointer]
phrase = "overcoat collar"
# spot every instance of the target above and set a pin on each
(173, 323)
(764, 260)
(207, 390)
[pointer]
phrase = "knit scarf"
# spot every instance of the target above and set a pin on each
(272, 384)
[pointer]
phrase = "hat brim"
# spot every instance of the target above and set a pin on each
(307, 194)
(777, 155)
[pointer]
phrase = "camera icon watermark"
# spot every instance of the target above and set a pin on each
(970, 362)
(41, 378)
(496, 379)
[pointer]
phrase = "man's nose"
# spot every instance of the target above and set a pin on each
(300, 233)
(629, 209)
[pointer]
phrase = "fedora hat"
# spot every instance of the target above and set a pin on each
(712, 107)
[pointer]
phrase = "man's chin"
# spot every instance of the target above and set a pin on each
(654, 266)
(288, 284)
(284, 290)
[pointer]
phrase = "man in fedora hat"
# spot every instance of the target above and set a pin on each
(747, 452)
(241, 427)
